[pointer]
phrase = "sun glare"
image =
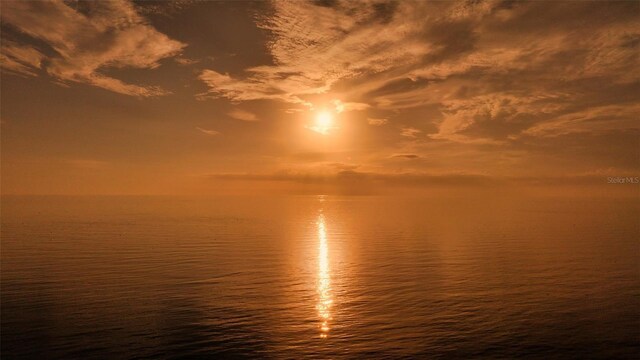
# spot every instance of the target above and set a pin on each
(323, 123)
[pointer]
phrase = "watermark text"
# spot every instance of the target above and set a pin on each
(623, 180)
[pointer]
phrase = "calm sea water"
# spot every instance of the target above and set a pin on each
(319, 277)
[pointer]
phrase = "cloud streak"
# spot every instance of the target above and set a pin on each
(79, 41)
(243, 115)
(405, 156)
(208, 132)
(377, 121)
(410, 132)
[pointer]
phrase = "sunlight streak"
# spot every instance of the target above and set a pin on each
(325, 299)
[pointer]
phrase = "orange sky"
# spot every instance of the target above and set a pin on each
(215, 97)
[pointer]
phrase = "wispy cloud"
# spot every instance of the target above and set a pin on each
(349, 106)
(316, 46)
(86, 38)
(185, 61)
(208, 132)
(405, 156)
(23, 60)
(377, 121)
(243, 115)
(494, 69)
(410, 132)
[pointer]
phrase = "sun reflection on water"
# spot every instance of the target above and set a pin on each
(325, 299)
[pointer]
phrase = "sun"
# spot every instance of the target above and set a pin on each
(323, 123)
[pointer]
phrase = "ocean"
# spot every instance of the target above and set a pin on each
(326, 277)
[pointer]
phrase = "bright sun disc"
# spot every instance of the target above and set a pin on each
(324, 122)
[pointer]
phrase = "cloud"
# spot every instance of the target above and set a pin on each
(185, 61)
(343, 166)
(208, 132)
(405, 156)
(81, 40)
(410, 132)
(377, 121)
(223, 85)
(243, 115)
(165, 8)
(399, 86)
(494, 69)
(23, 60)
(513, 82)
(594, 120)
(313, 47)
(349, 106)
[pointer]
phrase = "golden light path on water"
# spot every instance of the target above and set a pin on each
(325, 299)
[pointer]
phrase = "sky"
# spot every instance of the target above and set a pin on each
(205, 97)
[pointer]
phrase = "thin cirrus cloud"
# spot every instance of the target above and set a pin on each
(349, 106)
(410, 132)
(78, 41)
(23, 60)
(377, 121)
(405, 156)
(243, 115)
(208, 131)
